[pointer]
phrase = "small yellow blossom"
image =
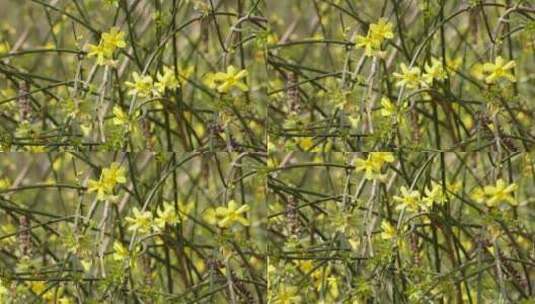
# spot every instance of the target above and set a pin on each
(65, 300)
(232, 78)
(140, 221)
(411, 78)
(286, 295)
(434, 195)
(100, 52)
(225, 217)
(109, 42)
(209, 80)
(382, 157)
(477, 71)
(166, 81)
(389, 231)
(392, 110)
(114, 174)
(99, 187)
(185, 73)
(306, 143)
(381, 30)
(114, 39)
(389, 108)
(306, 266)
(4, 47)
(166, 216)
(185, 208)
(435, 71)
(107, 181)
(453, 64)
(373, 164)
(377, 33)
(120, 252)
(329, 289)
(5, 183)
(142, 85)
(409, 199)
(121, 118)
(499, 69)
(369, 45)
(493, 195)
(4, 292)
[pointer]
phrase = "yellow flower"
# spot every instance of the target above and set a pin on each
(411, 78)
(225, 217)
(381, 30)
(369, 44)
(230, 79)
(332, 288)
(113, 39)
(185, 208)
(382, 157)
(120, 252)
(408, 199)
(286, 295)
(493, 195)
(142, 85)
(107, 181)
(4, 292)
(100, 52)
(453, 187)
(306, 266)
(141, 221)
(185, 73)
(499, 69)
(306, 143)
(209, 80)
(477, 71)
(435, 71)
(389, 231)
(114, 174)
(168, 80)
(4, 47)
(373, 164)
(40, 288)
(5, 183)
(121, 118)
(377, 33)
(453, 64)
(389, 108)
(99, 187)
(109, 42)
(434, 195)
(166, 216)
(65, 300)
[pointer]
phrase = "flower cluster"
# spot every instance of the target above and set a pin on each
(412, 200)
(145, 86)
(377, 33)
(109, 177)
(121, 118)
(226, 217)
(109, 42)
(373, 164)
(224, 82)
(491, 72)
(413, 77)
(409, 199)
(493, 195)
(144, 222)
